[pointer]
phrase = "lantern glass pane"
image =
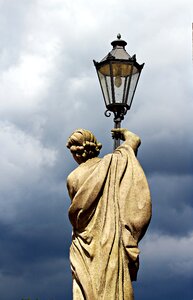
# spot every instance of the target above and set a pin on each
(132, 87)
(118, 80)
(119, 87)
(105, 82)
(121, 71)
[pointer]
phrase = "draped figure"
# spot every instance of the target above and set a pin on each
(110, 212)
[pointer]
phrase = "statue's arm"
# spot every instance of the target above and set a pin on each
(71, 186)
(130, 139)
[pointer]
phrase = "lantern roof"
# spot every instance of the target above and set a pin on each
(118, 51)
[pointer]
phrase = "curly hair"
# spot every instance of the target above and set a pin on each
(83, 144)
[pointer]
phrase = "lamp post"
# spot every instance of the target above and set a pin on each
(118, 75)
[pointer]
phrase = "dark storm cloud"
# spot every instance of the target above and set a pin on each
(166, 267)
(48, 87)
(161, 286)
(34, 231)
(43, 280)
(35, 243)
(172, 204)
(167, 156)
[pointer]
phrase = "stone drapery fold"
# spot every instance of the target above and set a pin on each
(110, 212)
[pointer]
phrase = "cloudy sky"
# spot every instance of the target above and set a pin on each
(48, 88)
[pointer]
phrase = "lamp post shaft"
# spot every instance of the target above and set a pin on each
(117, 140)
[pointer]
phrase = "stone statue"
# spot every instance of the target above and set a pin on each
(110, 212)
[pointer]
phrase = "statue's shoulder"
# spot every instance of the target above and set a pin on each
(83, 169)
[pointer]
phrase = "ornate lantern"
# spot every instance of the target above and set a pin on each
(118, 75)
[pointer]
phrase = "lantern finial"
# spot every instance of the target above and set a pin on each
(118, 42)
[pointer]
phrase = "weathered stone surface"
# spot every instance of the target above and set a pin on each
(110, 212)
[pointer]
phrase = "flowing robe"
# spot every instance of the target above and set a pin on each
(110, 212)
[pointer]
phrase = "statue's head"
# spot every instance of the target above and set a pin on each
(83, 145)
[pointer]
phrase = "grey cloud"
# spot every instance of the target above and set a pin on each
(42, 281)
(53, 41)
(13, 31)
(167, 156)
(166, 269)
(172, 204)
